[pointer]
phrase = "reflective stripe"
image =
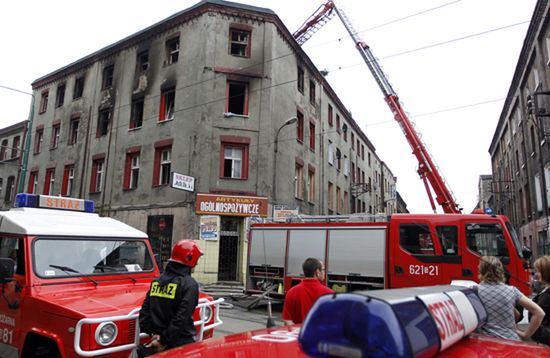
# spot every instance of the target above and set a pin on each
(166, 291)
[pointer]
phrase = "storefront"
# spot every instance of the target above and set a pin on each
(223, 226)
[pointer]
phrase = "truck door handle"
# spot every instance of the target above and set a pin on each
(398, 269)
(467, 272)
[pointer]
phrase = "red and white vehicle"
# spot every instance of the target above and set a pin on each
(73, 282)
(412, 322)
(404, 250)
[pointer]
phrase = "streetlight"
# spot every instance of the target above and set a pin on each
(289, 121)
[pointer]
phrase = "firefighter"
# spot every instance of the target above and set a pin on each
(167, 311)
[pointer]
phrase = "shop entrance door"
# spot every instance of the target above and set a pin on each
(228, 260)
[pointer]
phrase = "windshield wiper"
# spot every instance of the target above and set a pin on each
(69, 270)
(113, 269)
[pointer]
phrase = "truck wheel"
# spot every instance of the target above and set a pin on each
(38, 346)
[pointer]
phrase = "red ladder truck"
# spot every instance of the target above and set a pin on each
(404, 250)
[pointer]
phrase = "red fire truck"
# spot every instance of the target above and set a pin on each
(73, 282)
(404, 250)
(412, 322)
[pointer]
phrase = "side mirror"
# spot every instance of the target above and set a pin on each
(7, 268)
(527, 253)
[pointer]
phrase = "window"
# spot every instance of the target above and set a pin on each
(78, 88)
(311, 185)
(239, 43)
(352, 141)
(346, 165)
(60, 94)
(56, 130)
(49, 181)
(68, 180)
(363, 152)
(330, 114)
(330, 198)
(96, 180)
(43, 102)
(33, 182)
(10, 189)
(345, 130)
(312, 92)
(172, 50)
(1, 183)
(448, 237)
(533, 140)
(73, 131)
(232, 162)
(167, 103)
(103, 120)
(107, 80)
(131, 171)
(300, 127)
(163, 164)
(338, 123)
(299, 181)
(3, 149)
(486, 239)
(136, 119)
(346, 202)
(368, 156)
(237, 98)
(312, 136)
(330, 155)
(38, 139)
(15, 147)
(416, 239)
(300, 80)
(338, 159)
(143, 61)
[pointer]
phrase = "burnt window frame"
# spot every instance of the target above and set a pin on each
(107, 78)
(240, 44)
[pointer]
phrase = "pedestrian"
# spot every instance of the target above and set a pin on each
(500, 299)
(542, 269)
(167, 311)
(300, 298)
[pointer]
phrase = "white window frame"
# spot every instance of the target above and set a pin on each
(134, 171)
(236, 161)
(165, 166)
(70, 181)
(100, 168)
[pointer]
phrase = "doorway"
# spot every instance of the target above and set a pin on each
(228, 260)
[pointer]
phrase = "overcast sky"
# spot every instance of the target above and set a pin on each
(450, 61)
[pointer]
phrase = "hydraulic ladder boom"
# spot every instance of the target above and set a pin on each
(426, 167)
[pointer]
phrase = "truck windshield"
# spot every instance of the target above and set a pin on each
(486, 239)
(89, 257)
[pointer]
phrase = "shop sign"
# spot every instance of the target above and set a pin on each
(183, 182)
(282, 212)
(231, 205)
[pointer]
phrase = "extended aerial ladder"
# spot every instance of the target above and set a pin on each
(426, 167)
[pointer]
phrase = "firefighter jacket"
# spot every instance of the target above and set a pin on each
(169, 305)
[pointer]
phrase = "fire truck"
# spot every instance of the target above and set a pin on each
(402, 251)
(410, 322)
(73, 282)
(362, 252)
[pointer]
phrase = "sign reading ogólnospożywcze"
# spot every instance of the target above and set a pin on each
(230, 205)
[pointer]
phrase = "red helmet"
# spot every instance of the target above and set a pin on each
(186, 252)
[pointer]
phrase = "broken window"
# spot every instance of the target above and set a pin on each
(56, 130)
(73, 131)
(143, 61)
(38, 139)
(167, 104)
(108, 77)
(237, 98)
(240, 43)
(136, 119)
(103, 122)
(60, 95)
(300, 80)
(311, 91)
(78, 87)
(172, 50)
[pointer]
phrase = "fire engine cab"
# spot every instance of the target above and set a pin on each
(409, 322)
(375, 252)
(73, 282)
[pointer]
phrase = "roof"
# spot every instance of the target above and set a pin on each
(48, 222)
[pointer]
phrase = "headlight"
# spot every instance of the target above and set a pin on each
(106, 333)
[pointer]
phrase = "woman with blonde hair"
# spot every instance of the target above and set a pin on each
(500, 299)
(542, 273)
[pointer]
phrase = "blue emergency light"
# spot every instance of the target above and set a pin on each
(415, 322)
(24, 200)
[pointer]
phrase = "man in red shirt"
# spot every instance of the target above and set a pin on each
(300, 298)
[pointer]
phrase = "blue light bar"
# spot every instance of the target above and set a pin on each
(417, 322)
(24, 200)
